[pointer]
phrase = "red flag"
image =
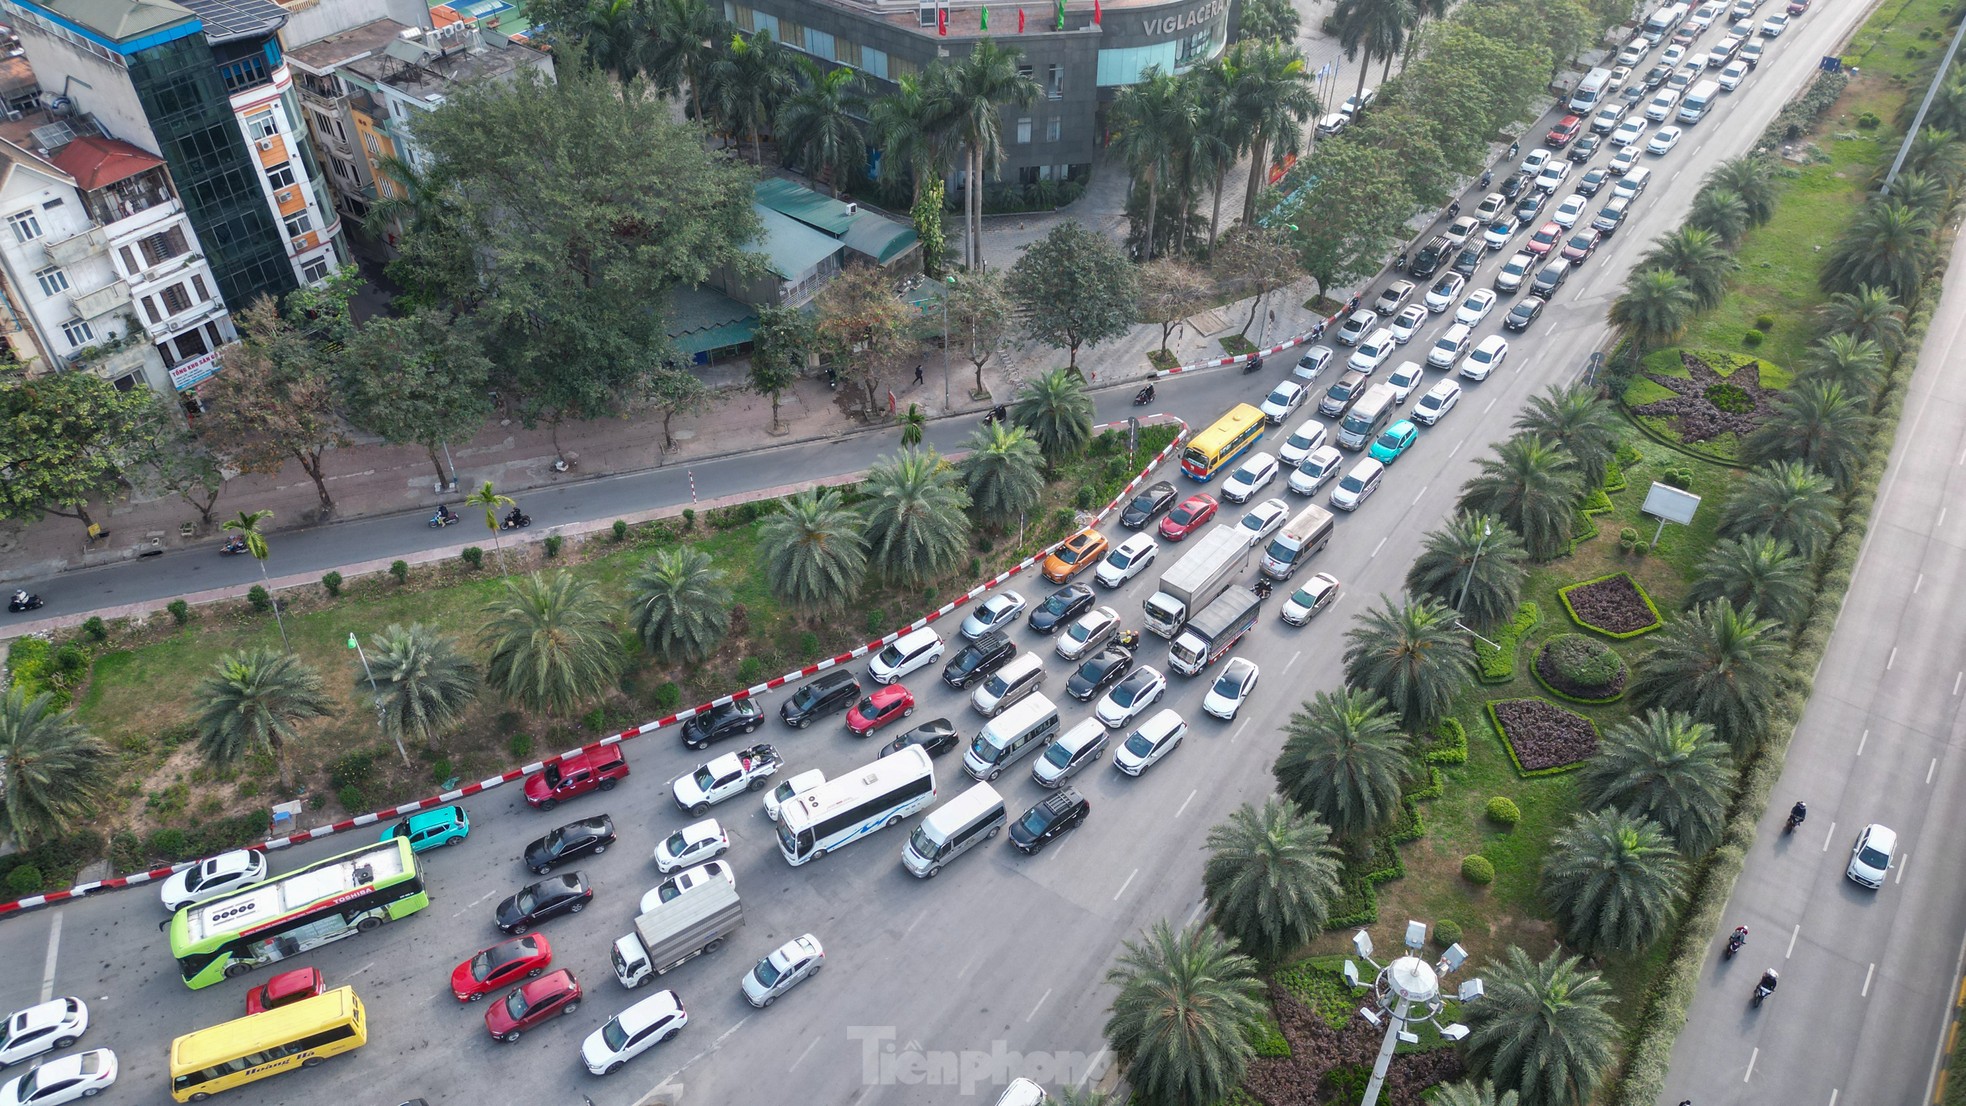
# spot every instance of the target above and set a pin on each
(942, 21)
(1095, 13)
(1020, 21)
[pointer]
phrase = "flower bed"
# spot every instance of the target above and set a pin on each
(1323, 1045)
(1542, 738)
(1582, 669)
(1613, 605)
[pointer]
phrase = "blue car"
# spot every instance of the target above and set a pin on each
(431, 829)
(1398, 438)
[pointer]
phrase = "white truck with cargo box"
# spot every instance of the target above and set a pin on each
(1214, 631)
(1699, 100)
(1301, 537)
(678, 931)
(1197, 578)
(1590, 91)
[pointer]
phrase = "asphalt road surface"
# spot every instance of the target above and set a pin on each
(935, 991)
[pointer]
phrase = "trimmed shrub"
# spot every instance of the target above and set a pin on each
(667, 698)
(1497, 662)
(1266, 1038)
(1447, 932)
(1751, 339)
(1764, 323)
(1628, 538)
(332, 582)
(619, 530)
(1085, 497)
(1451, 747)
(1478, 870)
(24, 880)
(71, 661)
(96, 629)
(750, 671)
(180, 611)
(689, 519)
(520, 746)
(552, 545)
(353, 799)
(258, 597)
(1582, 669)
(1502, 811)
(400, 570)
(595, 720)
(473, 556)
(809, 646)
(876, 622)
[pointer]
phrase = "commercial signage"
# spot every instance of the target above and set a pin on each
(186, 373)
(1181, 21)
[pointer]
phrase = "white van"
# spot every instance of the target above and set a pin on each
(1368, 417)
(952, 829)
(1299, 539)
(1590, 90)
(910, 651)
(1018, 731)
(1631, 184)
(1664, 22)
(1698, 99)
(1008, 684)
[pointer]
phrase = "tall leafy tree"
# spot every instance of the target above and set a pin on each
(1375, 28)
(1003, 473)
(1271, 878)
(780, 349)
(1274, 97)
(1532, 485)
(916, 529)
(1788, 501)
(1654, 308)
(1057, 411)
(1411, 655)
(1343, 762)
(1752, 178)
(424, 685)
(174, 460)
(1668, 768)
(65, 439)
(1543, 1030)
(819, 125)
(863, 329)
(911, 128)
(679, 605)
(1076, 288)
(552, 642)
(1888, 245)
(1719, 665)
(1722, 213)
(981, 315)
(1611, 881)
(1178, 1021)
(1818, 422)
(814, 551)
(252, 703)
(247, 526)
(1856, 363)
(616, 34)
(1143, 114)
(687, 36)
(1255, 260)
(1475, 564)
(1274, 20)
(419, 380)
(1928, 194)
(51, 768)
(418, 212)
(1170, 291)
(1698, 255)
(1576, 419)
(974, 94)
(673, 390)
(750, 78)
(1867, 314)
(1353, 209)
(1756, 572)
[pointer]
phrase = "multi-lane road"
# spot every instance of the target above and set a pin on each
(935, 991)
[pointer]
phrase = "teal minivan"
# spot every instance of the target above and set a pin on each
(431, 829)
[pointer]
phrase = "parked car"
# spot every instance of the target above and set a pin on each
(1066, 604)
(1092, 630)
(1393, 443)
(1523, 313)
(1566, 129)
(1404, 380)
(576, 775)
(1474, 310)
(696, 843)
(1302, 442)
(62, 1080)
(740, 716)
(1142, 688)
(43, 1027)
(1264, 519)
(1099, 672)
(228, 871)
(1316, 596)
(1570, 210)
(1283, 401)
(1128, 559)
(1487, 356)
(1408, 322)
(1580, 246)
(432, 829)
(981, 657)
(1074, 555)
(1445, 291)
(936, 736)
(785, 792)
(1593, 181)
(686, 881)
(1356, 326)
(1147, 746)
(1392, 297)
(1339, 398)
(877, 709)
(1501, 231)
(1253, 475)
(1193, 513)
(1001, 609)
(1316, 470)
(1150, 504)
(828, 693)
(1439, 400)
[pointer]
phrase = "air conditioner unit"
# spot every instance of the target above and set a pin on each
(286, 195)
(853, 209)
(266, 143)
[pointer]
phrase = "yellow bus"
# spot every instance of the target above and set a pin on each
(298, 1035)
(1218, 446)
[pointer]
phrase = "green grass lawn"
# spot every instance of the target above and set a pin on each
(1903, 40)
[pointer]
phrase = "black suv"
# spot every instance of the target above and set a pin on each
(832, 691)
(1099, 672)
(1055, 814)
(1060, 607)
(1152, 500)
(1431, 257)
(978, 659)
(1516, 182)
(587, 837)
(728, 720)
(1469, 258)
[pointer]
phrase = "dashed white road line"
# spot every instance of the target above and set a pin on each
(1377, 548)
(1868, 973)
(1904, 862)
(725, 1035)
(1931, 768)
(1892, 659)
(1034, 1009)
(1419, 494)
(1184, 803)
(1456, 449)
(1794, 935)
(810, 1045)
(1752, 1057)
(473, 903)
(1127, 884)
(1294, 658)
(1238, 733)
(1491, 405)
(1861, 741)
(54, 954)
(913, 924)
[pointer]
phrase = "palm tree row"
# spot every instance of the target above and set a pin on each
(1687, 271)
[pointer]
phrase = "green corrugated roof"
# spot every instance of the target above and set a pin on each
(701, 319)
(803, 204)
(878, 238)
(790, 247)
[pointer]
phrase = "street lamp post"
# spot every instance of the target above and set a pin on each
(1487, 528)
(1406, 993)
(947, 286)
(381, 724)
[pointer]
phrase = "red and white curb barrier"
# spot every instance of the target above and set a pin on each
(645, 728)
(1291, 342)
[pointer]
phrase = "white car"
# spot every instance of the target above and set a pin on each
(1661, 106)
(1663, 140)
(1486, 357)
(685, 881)
(1628, 132)
(789, 965)
(1537, 158)
(1476, 307)
(785, 792)
(1514, 271)
(1264, 519)
(1314, 598)
(1408, 322)
(1439, 400)
(697, 842)
(1705, 14)
(1395, 294)
(994, 613)
(1622, 161)
(83, 1075)
(634, 1031)
(725, 777)
(1356, 486)
(1570, 210)
(1023, 1092)
(1672, 55)
(1491, 206)
(1500, 230)
(1774, 25)
(1127, 560)
(1302, 442)
(1283, 400)
(1313, 362)
(1553, 175)
(213, 876)
(54, 1024)
(1445, 291)
(1373, 352)
(1331, 123)
(1231, 689)
(1357, 326)
(1607, 118)
(1141, 688)
(1315, 471)
(1404, 379)
(1148, 745)
(1870, 860)
(1084, 637)
(1252, 476)
(912, 650)
(1732, 75)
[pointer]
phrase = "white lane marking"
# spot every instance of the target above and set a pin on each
(1868, 973)
(1955, 682)
(54, 954)
(1752, 1057)
(1034, 1009)
(1456, 449)
(1931, 768)
(1904, 861)
(1892, 659)
(1962, 458)
(913, 924)
(1832, 1096)
(363, 968)
(1186, 801)
(810, 1045)
(1096, 1067)
(1861, 741)
(725, 1035)
(1294, 658)
(1794, 935)
(1830, 836)
(968, 966)
(1195, 913)
(1491, 405)
(1942, 519)
(1918, 583)
(1238, 733)
(1124, 886)
(474, 902)
(1377, 548)
(1417, 495)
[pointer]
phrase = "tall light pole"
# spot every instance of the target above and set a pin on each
(947, 286)
(380, 715)
(1487, 528)
(1406, 993)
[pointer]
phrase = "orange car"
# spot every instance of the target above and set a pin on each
(1080, 552)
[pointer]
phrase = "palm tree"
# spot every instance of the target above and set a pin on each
(1472, 1094)
(1271, 878)
(1889, 245)
(1925, 193)
(913, 422)
(747, 82)
(1475, 564)
(1376, 28)
(1178, 1022)
(250, 704)
(1273, 97)
(418, 200)
(1058, 411)
(1654, 308)
(1719, 665)
(1939, 152)
(247, 527)
(1722, 211)
(1410, 655)
(680, 606)
(1221, 142)
(1818, 422)
(1344, 758)
(1611, 880)
(1856, 363)
(1948, 108)
(1534, 487)
(1788, 501)
(616, 34)
(1142, 116)
(916, 529)
(488, 498)
(1755, 572)
(1003, 473)
(1543, 1030)
(51, 768)
(814, 551)
(1867, 314)
(819, 125)
(423, 684)
(1752, 178)
(688, 37)
(1699, 256)
(1666, 767)
(1578, 420)
(909, 127)
(979, 87)
(553, 643)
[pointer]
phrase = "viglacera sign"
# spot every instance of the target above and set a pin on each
(1168, 24)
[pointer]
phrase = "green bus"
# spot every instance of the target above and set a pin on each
(289, 914)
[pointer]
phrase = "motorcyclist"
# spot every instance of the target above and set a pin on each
(1487, 178)
(21, 598)
(235, 545)
(513, 516)
(1146, 394)
(1798, 812)
(1454, 209)
(444, 514)
(1768, 980)
(1738, 938)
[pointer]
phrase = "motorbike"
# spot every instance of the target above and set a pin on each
(441, 519)
(1487, 179)
(515, 521)
(1766, 987)
(1734, 942)
(1454, 209)
(22, 601)
(1253, 365)
(1144, 396)
(1127, 639)
(999, 413)
(232, 547)
(1796, 815)
(1263, 587)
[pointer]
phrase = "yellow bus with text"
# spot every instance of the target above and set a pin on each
(298, 1035)
(1219, 445)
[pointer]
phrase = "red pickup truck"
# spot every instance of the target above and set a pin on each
(575, 775)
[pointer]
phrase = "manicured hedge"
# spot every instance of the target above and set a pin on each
(1584, 670)
(1565, 593)
(1497, 665)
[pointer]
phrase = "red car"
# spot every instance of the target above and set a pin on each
(525, 1007)
(1566, 129)
(885, 705)
(285, 988)
(1581, 245)
(576, 775)
(1190, 516)
(499, 965)
(1544, 240)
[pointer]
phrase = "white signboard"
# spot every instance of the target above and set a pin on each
(1671, 504)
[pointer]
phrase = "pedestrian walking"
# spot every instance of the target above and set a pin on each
(918, 374)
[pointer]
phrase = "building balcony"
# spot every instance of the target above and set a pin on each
(96, 304)
(70, 251)
(130, 198)
(127, 354)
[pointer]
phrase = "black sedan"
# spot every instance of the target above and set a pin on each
(978, 659)
(1523, 313)
(1584, 148)
(728, 720)
(549, 898)
(936, 737)
(1054, 816)
(1150, 504)
(587, 837)
(1099, 673)
(1061, 607)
